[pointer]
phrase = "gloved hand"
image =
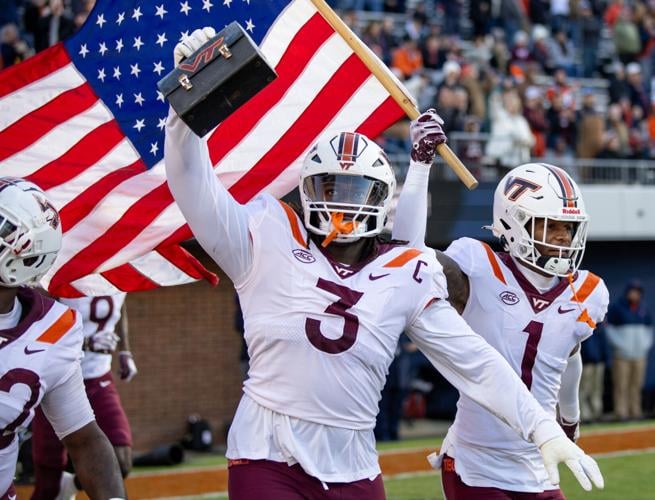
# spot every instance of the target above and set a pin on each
(127, 366)
(426, 134)
(192, 43)
(104, 342)
(584, 468)
(571, 429)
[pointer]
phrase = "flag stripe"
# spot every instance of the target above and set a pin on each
(91, 149)
(30, 128)
(301, 51)
(187, 263)
(39, 66)
(126, 277)
(14, 106)
(303, 132)
(85, 202)
(56, 142)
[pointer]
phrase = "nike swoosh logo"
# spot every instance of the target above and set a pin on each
(564, 311)
(105, 383)
(373, 278)
(29, 351)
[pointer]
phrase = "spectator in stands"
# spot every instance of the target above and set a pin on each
(378, 41)
(12, 48)
(481, 18)
(638, 95)
(560, 10)
(630, 335)
(48, 22)
(618, 85)
(512, 17)
(617, 135)
(541, 52)
(81, 11)
(407, 58)
(638, 134)
(534, 113)
(510, 140)
(592, 384)
(626, 36)
(563, 53)
(521, 52)
(372, 5)
(433, 56)
(474, 84)
(591, 127)
(562, 124)
(588, 28)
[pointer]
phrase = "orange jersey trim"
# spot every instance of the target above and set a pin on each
(403, 258)
(295, 226)
(588, 286)
(495, 266)
(59, 328)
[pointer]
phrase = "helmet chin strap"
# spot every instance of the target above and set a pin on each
(340, 227)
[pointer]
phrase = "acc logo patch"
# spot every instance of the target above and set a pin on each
(303, 256)
(509, 298)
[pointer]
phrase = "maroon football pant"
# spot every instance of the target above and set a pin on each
(257, 479)
(455, 489)
(49, 455)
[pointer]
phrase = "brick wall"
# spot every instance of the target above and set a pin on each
(187, 353)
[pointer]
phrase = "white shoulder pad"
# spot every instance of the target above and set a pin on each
(469, 254)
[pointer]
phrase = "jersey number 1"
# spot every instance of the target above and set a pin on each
(533, 330)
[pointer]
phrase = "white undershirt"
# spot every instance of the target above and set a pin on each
(10, 320)
(539, 281)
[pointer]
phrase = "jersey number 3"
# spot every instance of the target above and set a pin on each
(347, 299)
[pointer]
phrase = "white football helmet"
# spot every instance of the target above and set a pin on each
(30, 233)
(540, 191)
(347, 177)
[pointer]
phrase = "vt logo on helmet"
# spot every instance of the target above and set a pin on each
(30, 233)
(346, 186)
(540, 217)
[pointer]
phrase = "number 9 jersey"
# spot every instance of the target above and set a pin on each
(536, 333)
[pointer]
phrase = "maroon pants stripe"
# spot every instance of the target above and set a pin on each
(257, 479)
(455, 489)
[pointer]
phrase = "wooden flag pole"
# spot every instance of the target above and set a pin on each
(383, 75)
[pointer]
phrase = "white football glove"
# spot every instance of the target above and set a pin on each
(104, 342)
(192, 43)
(126, 366)
(584, 468)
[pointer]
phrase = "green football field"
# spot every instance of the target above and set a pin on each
(628, 477)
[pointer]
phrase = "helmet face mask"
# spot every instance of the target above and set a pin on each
(346, 179)
(529, 202)
(30, 233)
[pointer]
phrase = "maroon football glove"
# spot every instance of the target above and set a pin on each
(426, 134)
(571, 429)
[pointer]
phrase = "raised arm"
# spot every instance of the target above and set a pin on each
(218, 221)
(412, 209)
(481, 373)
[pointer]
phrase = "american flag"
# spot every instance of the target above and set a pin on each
(85, 121)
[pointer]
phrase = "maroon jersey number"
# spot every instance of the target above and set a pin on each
(347, 299)
(7, 381)
(101, 321)
(533, 329)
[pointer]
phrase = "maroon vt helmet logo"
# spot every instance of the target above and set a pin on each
(515, 187)
(206, 55)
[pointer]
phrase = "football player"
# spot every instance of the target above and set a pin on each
(104, 320)
(324, 301)
(531, 302)
(41, 346)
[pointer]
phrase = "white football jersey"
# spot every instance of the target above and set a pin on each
(536, 333)
(321, 335)
(38, 355)
(99, 314)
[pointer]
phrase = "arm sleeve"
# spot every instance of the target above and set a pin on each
(412, 209)
(218, 221)
(569, 404)
(477, 370)
(66, 405)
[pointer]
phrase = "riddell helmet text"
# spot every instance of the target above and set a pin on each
(571, 211)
